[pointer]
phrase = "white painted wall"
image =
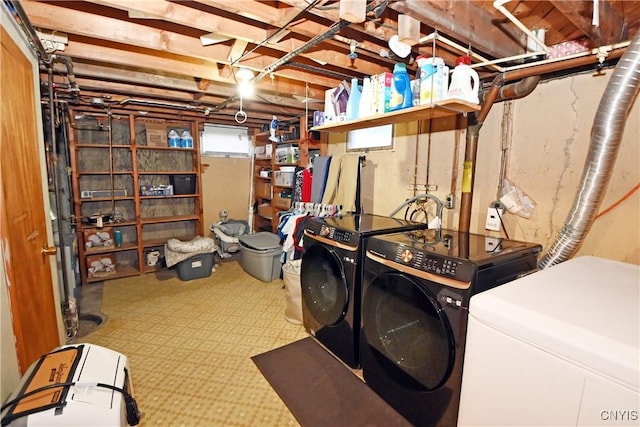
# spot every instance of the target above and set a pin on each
(550, 137)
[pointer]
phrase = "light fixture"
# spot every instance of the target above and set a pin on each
(244, 74)
(245, 85)
(399, 48)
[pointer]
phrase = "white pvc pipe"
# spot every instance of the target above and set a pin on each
(499, 4)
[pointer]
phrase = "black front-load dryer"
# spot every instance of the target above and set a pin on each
(416, 291)
(330, 277)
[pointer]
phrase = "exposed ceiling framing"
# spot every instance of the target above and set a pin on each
(187, 52)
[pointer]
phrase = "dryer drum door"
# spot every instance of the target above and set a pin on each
(407, 332)
(324, 288)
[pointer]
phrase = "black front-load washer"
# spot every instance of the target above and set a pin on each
(416, 290)
(330, 277)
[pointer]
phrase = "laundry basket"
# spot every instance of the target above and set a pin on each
(292, 291)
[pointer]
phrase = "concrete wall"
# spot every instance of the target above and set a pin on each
(547, 135)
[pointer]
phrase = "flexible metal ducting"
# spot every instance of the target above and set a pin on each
(606, 134)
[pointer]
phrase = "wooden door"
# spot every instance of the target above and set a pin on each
(23, 230)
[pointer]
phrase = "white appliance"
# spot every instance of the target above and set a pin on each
(559, 347)
(74, 385)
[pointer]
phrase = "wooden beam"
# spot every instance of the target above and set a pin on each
(207, 22)
(611, 28)
(470, 23)
(354, 11)
(408, 30)
(237, 50)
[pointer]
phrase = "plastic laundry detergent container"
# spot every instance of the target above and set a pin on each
(401, 94)
(260, 255)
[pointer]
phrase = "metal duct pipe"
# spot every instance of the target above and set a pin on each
(606, 134)
(498, 92)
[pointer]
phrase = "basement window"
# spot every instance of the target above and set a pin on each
(376, 138)
(225, 141)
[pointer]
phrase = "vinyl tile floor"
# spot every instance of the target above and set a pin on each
(190, 343)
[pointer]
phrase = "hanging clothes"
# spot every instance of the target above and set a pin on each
(296, 194)
(307, 184)
(342, 182)
(320, 171)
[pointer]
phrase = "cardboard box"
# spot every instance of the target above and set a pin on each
(98, 239)
(282, 202)
(263, 189)
(156, 135)
(264, 210)
(383, 92)
(103, 265)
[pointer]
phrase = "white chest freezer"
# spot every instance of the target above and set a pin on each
(75, 385)
(559, 347)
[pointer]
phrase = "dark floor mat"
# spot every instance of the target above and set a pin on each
(319, 390)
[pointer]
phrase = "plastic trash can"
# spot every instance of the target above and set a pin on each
(260, 255)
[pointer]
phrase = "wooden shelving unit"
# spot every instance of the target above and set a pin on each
(449, 107)
(266, 190)
(115, 152)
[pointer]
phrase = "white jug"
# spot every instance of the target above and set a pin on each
(464, 81)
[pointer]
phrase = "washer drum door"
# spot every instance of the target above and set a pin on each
(325, 294)
(407, 333)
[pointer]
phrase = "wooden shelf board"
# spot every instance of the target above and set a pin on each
(121, 271)
(105, 199)
(102, 146)
(149, 243)
(103, 250)
(107, 224)
(162, 219)
(175, 196)
(145, 147)
(439, 109)
(105, 173)
(167, 172)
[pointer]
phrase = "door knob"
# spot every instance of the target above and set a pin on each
(51, 250)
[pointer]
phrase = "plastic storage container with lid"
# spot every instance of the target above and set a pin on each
(260, 255)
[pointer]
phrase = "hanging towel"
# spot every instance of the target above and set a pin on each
(342, 182)
(320, 171)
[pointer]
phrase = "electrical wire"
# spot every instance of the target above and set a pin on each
(617, 203)
(502, 223)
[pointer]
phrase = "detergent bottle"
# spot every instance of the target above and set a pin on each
(464, 81)
(366, 99)
(353, 104)
(401, 95)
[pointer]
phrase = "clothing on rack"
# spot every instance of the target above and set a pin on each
(342, 181)
(296, 193)
(321, 166)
